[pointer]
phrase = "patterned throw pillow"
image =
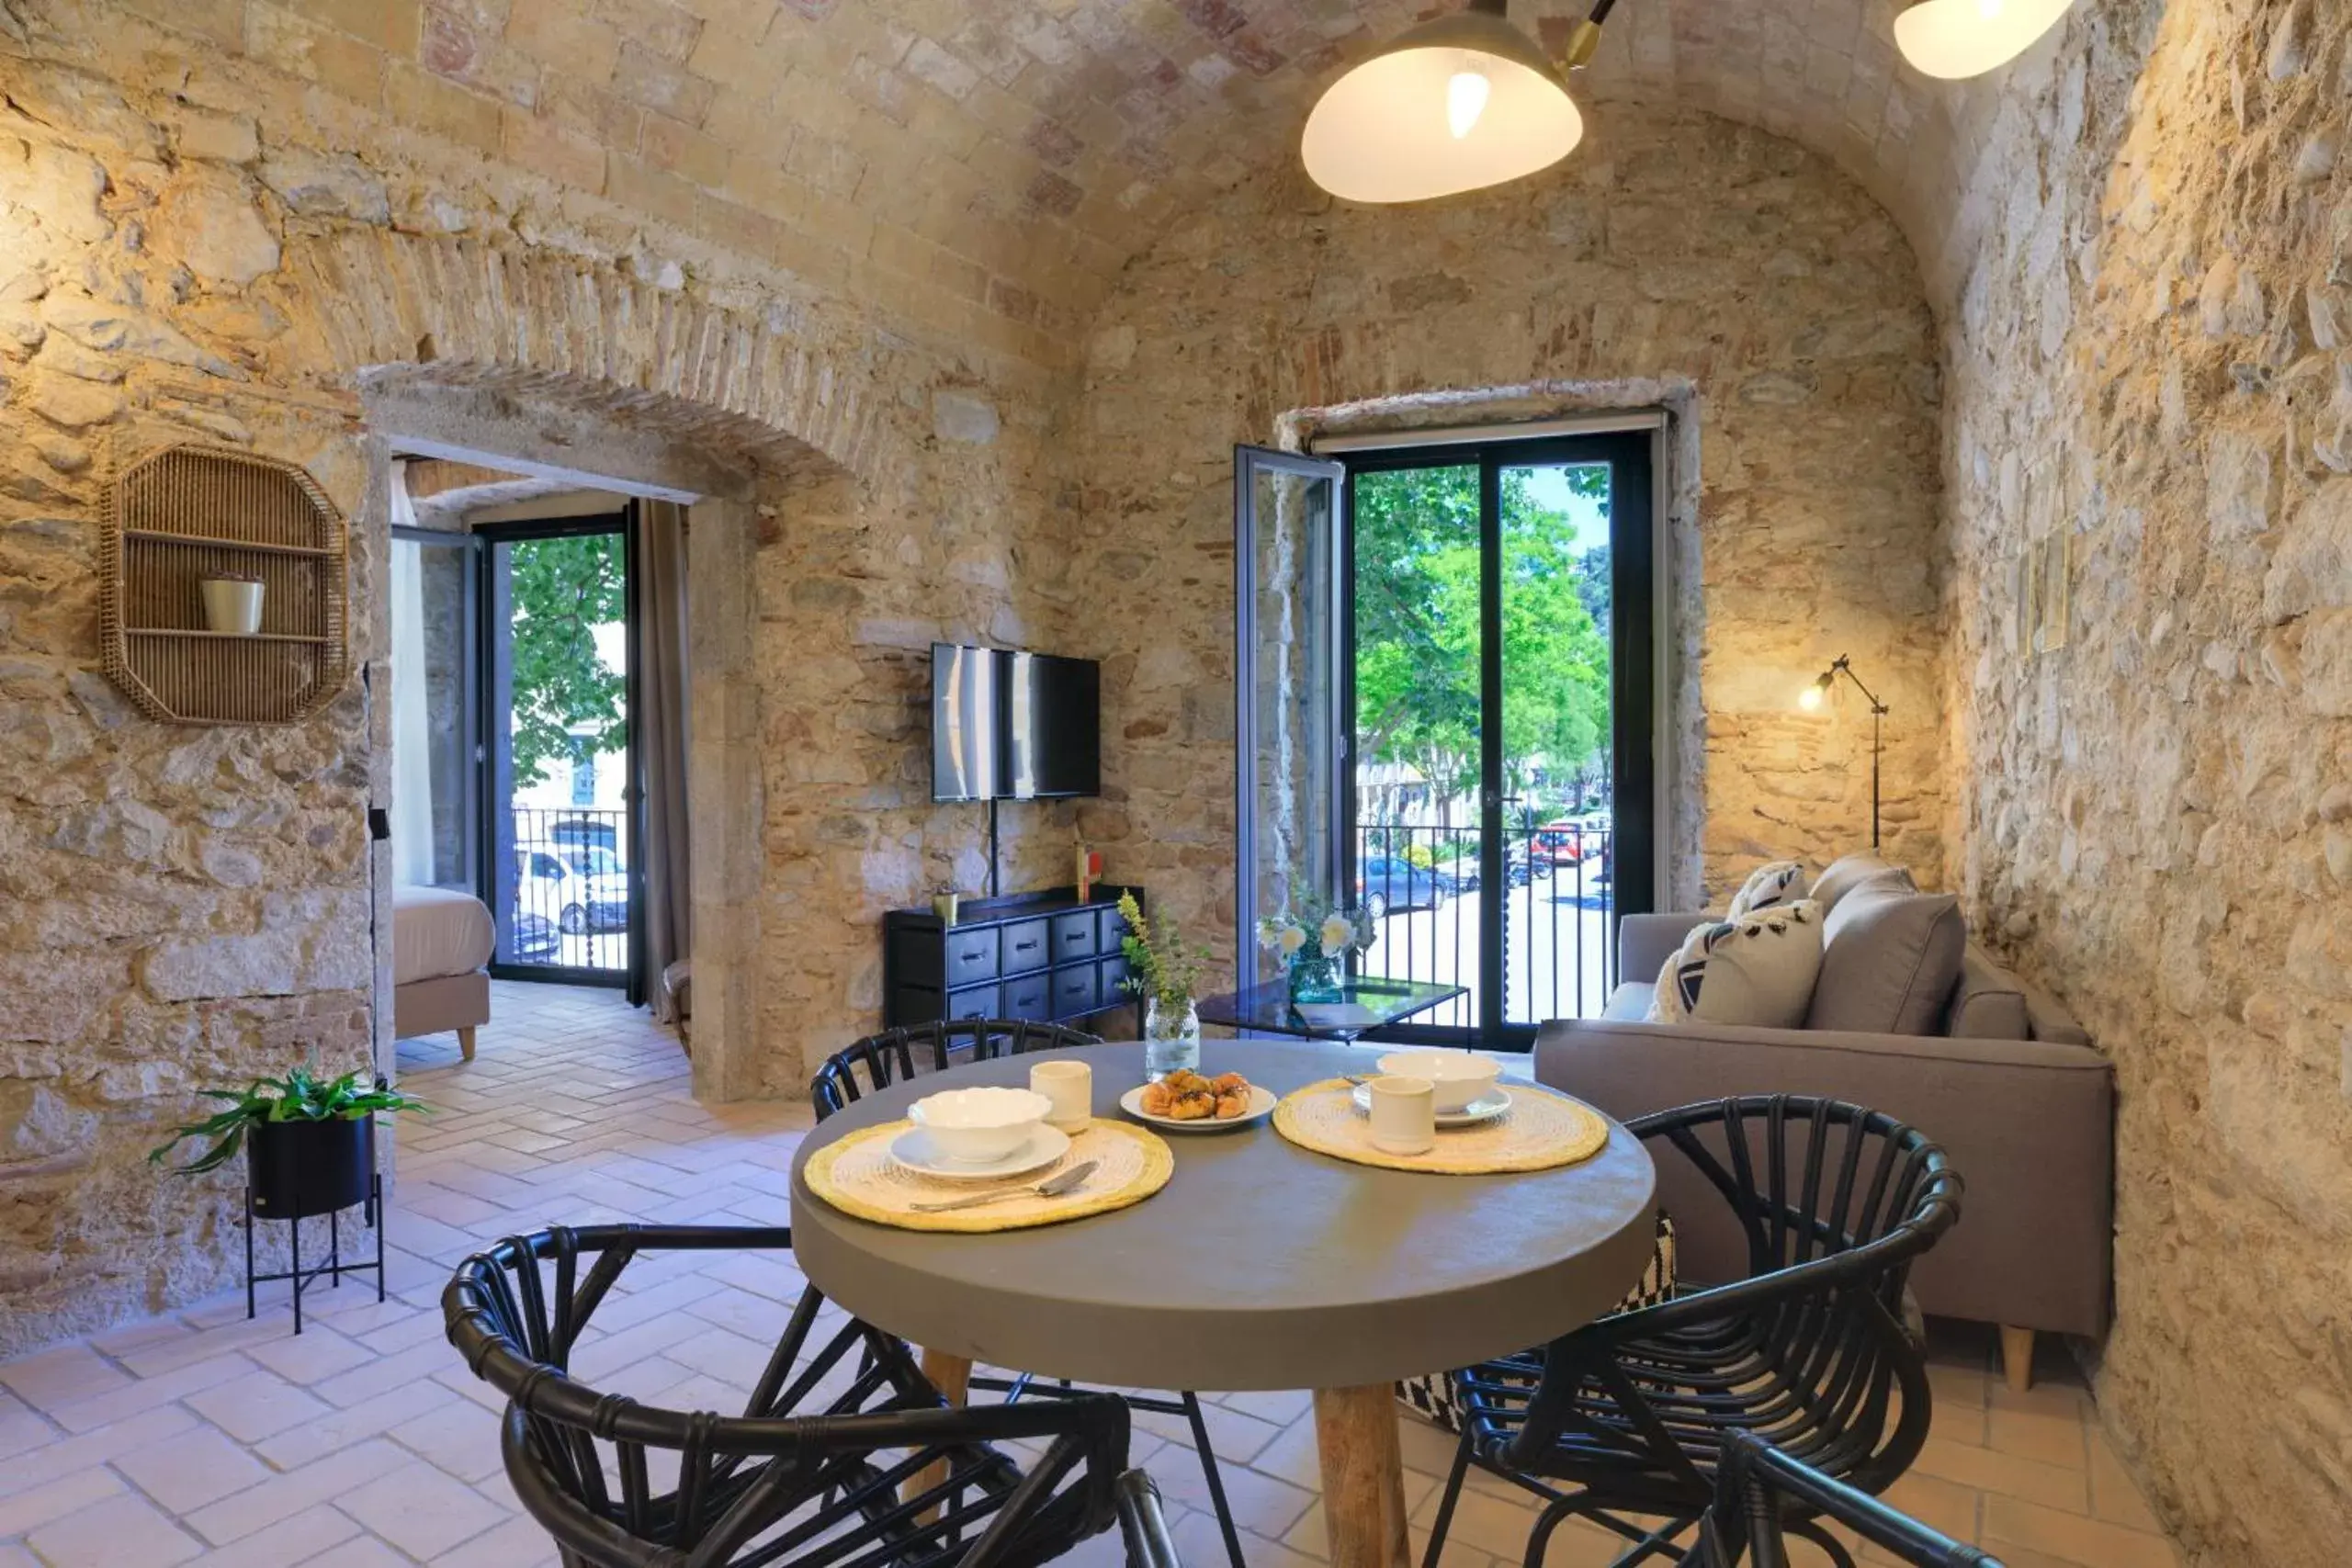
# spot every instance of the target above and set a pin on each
(1782, 881)
(1758, 969)
(1431, 1396)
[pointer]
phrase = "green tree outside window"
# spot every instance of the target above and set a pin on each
(563, 590)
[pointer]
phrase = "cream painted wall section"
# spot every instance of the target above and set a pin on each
(1673, 247)
(2153, 370)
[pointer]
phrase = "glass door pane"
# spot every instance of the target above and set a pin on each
(432, 731)
(556, 733)
(1286, 524)
(1419, 649)
(1558, 818)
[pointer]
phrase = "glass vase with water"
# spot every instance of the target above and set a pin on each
(1172, 1039)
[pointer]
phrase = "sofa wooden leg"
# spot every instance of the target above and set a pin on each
(466, 1043)
(2016, 1357)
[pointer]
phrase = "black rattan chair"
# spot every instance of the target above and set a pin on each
(844, 1456)
(1629, 1415)
(1755, 1485)
(897, 1054)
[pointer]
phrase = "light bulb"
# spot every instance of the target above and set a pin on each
(1465, 100)
(1810, 698)
(1955, 38)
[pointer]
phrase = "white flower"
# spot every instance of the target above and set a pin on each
(1291, 940)
(1338, 933)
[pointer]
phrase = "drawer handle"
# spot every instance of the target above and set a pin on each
(1025, 946)
(971, 957)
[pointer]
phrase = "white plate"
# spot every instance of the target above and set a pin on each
(1486, 1107)
(1261, 1105)
(914, 1149)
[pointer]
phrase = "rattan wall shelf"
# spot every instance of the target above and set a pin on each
(188, 513)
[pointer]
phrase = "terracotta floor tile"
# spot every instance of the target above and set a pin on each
(2115, 1493)
(187, 1472)
(2072, 1538)
(254, 1443)
(111, 1534)
(423, 1510)
(39, 1505)
(1990, 1470)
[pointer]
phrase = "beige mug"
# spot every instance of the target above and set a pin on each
(1068, 1087)
(1404, 1115)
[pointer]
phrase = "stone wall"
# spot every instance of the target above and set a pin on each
(2152, 366)
(201, 245)
(1673, 249)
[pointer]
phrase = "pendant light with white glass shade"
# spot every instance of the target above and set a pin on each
(1461, 102)
(1955, 38)
(1469, 100)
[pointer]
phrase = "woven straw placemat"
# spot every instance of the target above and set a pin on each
(857, 1176)
(1542, 1129)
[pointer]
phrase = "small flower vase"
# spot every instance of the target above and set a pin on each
(1172, 1039)
(1313, 975)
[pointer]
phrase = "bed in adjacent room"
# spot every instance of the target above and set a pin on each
(442, 942)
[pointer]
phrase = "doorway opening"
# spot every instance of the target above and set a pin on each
(1449, 714)
(523, 618)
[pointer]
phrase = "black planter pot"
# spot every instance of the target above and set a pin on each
(300, 1168)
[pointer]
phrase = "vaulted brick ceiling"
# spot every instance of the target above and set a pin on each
(989, 164)
(1050, 139)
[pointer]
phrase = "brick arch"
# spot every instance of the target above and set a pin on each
(542, 323)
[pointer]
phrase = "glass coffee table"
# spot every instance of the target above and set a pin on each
(1364, 1005)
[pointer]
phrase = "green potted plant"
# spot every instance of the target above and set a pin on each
(310, 1142)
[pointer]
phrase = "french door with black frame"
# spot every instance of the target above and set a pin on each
(1446, 674)
(562, 847)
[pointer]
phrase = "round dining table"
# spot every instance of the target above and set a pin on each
(1260, 1265)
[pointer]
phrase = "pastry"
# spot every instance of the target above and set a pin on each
(1185, 1095)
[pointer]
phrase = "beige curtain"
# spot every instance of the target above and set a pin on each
(662, 742)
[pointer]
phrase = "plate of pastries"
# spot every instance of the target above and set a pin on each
(1185, 1102)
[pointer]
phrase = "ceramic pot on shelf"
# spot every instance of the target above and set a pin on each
(231, 605)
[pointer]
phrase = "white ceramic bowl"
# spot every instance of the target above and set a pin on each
(975, 1126)
(1459, 1076)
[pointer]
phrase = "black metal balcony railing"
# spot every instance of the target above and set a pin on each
(1557, 911)
(571, 880)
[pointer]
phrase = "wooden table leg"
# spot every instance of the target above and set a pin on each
(1364, 1477)
(951, 1375)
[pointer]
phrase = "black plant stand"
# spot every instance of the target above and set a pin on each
(297, 1170)
(371, 1214)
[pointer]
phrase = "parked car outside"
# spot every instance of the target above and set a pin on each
(584, 888)
(570, 832)
(531, 937)
(1569, 841)
(1390, 883)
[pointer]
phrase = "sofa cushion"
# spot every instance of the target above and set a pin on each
(1758, 970)
(1989, 1003)
(1630, 1002)
(1782, 881)
(1889, 960)
(1847, 873)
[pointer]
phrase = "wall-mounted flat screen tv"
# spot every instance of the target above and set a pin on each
(1009, 726)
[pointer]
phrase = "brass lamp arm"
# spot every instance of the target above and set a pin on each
(1842, 665)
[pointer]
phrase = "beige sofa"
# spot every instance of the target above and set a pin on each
(2025, 1112)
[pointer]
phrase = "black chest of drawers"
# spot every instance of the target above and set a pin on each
(1043, 956)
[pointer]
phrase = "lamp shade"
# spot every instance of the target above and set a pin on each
(1952, 39)
(1465, 101)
